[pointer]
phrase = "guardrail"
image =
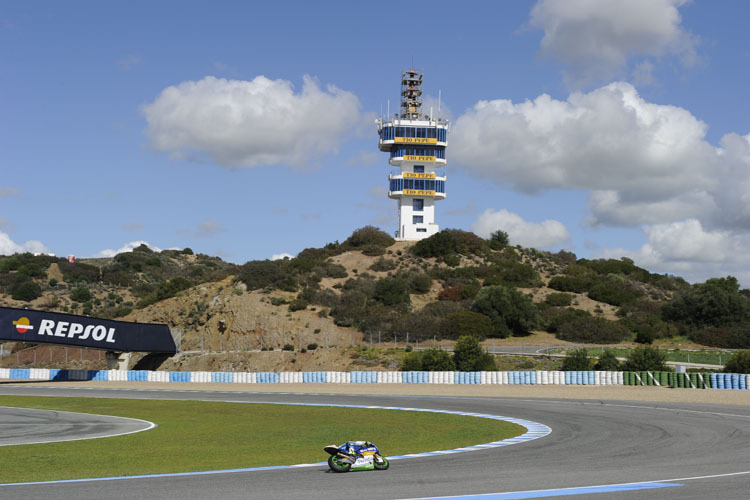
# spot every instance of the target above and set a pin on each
(644, 378)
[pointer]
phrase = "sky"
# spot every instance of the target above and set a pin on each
(246, 129)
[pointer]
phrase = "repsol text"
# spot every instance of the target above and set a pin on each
(72, 330)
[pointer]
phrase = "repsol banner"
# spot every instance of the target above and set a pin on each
(24, 325)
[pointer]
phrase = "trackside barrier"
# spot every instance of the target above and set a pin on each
(731, 381)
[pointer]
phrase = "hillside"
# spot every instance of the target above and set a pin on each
(373, 289)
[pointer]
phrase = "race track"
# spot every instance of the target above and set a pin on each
(592, 443)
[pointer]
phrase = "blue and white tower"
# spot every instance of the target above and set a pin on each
(416, 143)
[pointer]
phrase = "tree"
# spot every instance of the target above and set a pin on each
(576, 360)
(715, 303)
(499, 240)
(510, 311)
(411, 362)
(646, 358)
(739, 362)
(607, 362)
(469, 356)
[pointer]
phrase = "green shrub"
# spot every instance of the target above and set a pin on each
(172, 287)
(278, 301)
(715, 303)
(26, 291)
(510, 311)
(466, 323)
(259, 274)
(469, 356)
(559, 299)
(607, 362)
(646, 358)
(32, 270)
(499, 240)
(576, 360)
(574, 284)
(739, 362)
(383, 264)
(372, 250)
(391, 292)
(593, 330)
(419, 283)
(733, 337)
(312, 347)
(450, 241)
(81, 295)
(298, 305)
(452, 260)
(369, 235)
(411, 362)
(437, 360)
(53, 282)
(287, 347)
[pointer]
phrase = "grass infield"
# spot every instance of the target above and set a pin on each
(198, 435)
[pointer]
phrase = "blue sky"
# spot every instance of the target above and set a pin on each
(245, 129)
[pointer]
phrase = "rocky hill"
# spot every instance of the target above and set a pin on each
(307, 312)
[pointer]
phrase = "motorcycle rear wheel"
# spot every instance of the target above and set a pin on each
(337, 466)
(382, 466)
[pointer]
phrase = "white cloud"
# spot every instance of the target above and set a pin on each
(128, 62)
(209, 228)
(644, 163)
(127, 247)
(595, 39)
(279, 256)
(5, 192)
(9, 247)
(687, 249)
(248, 123)
(521, 232)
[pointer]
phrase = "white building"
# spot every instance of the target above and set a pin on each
(416, 143)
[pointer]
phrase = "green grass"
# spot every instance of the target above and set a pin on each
(709, 357)
(198, 435)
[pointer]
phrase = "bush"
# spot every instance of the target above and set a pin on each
(287, 347)
(419, 283)
(372, 250)
(170, 288)
(312, 347)
(258, 274)
(510, 311)
(607, 362)
(466, 323)
(411, 362)
(368, 235)
(739, 362)
(715, 303)
(81, 295)
(646, 358)
(26, 291)
(469, 356)
(437, 360)
(383, 264)
(450, 241)
(559, 299)
(391, 292)
(574, 284)
(735, 337)
(298, 305)
(593, 331)
(576, 360)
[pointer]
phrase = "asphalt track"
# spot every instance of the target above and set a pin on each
(687, 451)
(26, 426)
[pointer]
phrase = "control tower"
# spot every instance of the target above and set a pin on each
(416, 142)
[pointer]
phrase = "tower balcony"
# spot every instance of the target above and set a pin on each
(425, 185)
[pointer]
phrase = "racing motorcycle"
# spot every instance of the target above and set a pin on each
(355, 455)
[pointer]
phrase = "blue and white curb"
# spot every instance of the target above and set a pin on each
(534, 430)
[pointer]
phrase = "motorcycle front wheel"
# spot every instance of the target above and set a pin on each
(337, 465)
(383, 465)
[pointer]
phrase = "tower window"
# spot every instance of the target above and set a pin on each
(421, 229)
(417, 204)
(419, 169)
(417, 219)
